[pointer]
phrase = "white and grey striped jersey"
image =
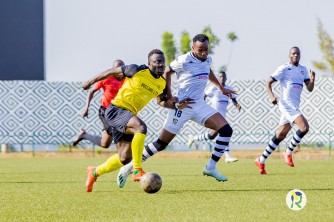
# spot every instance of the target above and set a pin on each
(291, 79)
(192, 76)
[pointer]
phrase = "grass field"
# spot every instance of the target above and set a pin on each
(52, 189)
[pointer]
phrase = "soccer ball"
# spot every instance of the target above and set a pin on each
(151, 182)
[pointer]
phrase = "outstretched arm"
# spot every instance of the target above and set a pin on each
(215, 81)
(235, 102)
(269, 89)
(310, 83)
(89, 98)
(114, 71)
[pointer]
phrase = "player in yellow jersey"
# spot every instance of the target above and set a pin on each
(142, 83)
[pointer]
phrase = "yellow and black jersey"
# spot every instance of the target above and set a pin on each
(139, 87)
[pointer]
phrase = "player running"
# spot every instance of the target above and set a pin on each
(193, 72)
(110, 88)
(219, 102)
(291, 75)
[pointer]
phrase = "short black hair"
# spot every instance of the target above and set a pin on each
(154, 51)
(220, 73)
(295, 47)
(200, 38)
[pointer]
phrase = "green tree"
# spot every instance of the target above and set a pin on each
(185, 42)
(232, 37)
(214, 40)
(168, 47)
(326, 47)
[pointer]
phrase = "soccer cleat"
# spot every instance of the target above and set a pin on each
(79, 138)
(136, 177)
(190, 141)
(123, 174)
(90, 178)
(215, 174)
(261, 166)
(230, 159)
(288, 159)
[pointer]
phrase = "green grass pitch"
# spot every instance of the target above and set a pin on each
(52, 189)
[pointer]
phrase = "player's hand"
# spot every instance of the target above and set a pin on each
(84, 113)
(184, 103)
(172, 101)
(238, 107)
(312, 75)
(86, 85)
(274, 100)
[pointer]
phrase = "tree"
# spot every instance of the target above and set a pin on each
(232, 37)
(185, 42)
(168, 46)
(326, 47)
(213, 39)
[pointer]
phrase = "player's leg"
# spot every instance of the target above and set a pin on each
(202, 137)
(103, 141)
(174, 122)
(303, 126)
(228, 157)
(107, 138)
(113, 163)
(139, 129)
(283, 130)
(219, 123)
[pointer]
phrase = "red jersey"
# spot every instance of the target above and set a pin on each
(110, 88)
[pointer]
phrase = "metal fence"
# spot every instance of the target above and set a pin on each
(41, 112)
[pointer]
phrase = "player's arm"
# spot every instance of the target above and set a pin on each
(269, 89)
(215, 81)
(168, 76)
(114, 71)
(89, 98)
(236, 104)
(173, 102)
(310, 82)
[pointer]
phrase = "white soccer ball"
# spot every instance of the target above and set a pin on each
(151, 182)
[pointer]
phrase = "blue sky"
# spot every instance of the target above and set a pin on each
(83, 37)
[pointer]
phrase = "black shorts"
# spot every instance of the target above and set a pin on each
(106, 127)
(118, 118)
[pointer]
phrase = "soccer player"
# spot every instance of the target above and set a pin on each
(142, 83)
(193, 72)
(291, 75)
(110, 88)
(220, 102)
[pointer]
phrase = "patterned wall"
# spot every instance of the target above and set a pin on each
(43, 112)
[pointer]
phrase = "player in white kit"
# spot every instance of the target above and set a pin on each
(219, 102)
(193, 72)
(291, 76)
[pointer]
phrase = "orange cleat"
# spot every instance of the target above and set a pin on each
(90, 178)
(261, 166)
(137, 174)
(288, 159)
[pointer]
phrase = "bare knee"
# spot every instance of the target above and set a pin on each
(105, 144)
(125, 159)
(304, 129)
